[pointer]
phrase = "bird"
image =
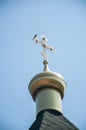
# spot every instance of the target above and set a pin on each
(34, 36)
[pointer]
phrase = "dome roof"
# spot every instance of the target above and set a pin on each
(47, 79)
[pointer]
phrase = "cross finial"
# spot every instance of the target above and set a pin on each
(43, 43)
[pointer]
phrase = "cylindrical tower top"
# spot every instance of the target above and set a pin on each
(47, 88)
(47, 79)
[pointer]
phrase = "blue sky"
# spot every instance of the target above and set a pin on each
(64, 24)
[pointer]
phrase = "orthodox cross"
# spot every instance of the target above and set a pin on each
(43, 43)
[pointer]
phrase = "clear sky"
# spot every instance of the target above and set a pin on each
(64, 24)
